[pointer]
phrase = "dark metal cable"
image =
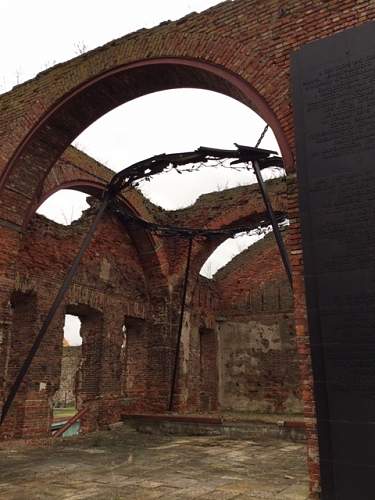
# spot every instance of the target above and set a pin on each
(262, 136)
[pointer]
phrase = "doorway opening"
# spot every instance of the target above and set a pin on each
(65, 399)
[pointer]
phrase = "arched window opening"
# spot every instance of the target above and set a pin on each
(64, 206)
(72, 330)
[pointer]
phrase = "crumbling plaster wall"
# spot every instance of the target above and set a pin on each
(258, 364)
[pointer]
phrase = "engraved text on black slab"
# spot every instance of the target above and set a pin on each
(344, 97)
(334, 102)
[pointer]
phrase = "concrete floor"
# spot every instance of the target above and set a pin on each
(125, 464)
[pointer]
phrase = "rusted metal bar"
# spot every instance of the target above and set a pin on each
(71, 421)
(275, 226)
(53, 309)
(180, 325)
(129, 176)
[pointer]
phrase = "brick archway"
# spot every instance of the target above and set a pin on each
(69, 114)
(76, 171)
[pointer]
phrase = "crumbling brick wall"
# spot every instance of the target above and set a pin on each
(112, 295)
(248, 308)
(109, 284)
(227, 208)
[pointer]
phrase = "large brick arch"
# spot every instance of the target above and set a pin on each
(240, 48)
(77, 170)
(57, 121)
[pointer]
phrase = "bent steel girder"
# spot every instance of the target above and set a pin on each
(160, 163)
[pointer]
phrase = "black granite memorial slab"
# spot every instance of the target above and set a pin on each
(334, 103)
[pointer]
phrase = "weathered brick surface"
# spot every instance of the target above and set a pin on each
(241, 48)
(228, 208)
(208, 370)
(109, 285)
(250, 42)
(112, 289)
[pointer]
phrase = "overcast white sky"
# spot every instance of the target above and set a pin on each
(39, 33)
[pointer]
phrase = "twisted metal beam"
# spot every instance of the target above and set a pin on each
(160, 163)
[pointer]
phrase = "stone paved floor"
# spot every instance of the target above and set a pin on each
(124, 464)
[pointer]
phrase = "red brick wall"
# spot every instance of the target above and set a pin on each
(110, 283)
(208, 370)
(29, 399)
(240, 48)
(135, 377)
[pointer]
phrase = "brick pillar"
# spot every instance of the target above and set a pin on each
(302, 335)
(181, 388)
(5, 343)
(10, 239)
(187, 398)
(159, 358)
(90, 369)
(22, 331)
(111, 386)
(208, 369)
(136, 365)
(31, 412)
(194, 368)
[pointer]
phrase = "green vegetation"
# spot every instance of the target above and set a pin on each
(68, 412)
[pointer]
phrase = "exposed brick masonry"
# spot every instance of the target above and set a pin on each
(240, 48)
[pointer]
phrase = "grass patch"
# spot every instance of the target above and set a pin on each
(64, 412)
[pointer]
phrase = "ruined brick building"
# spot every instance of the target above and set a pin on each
(114, 288)
(245, 344)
